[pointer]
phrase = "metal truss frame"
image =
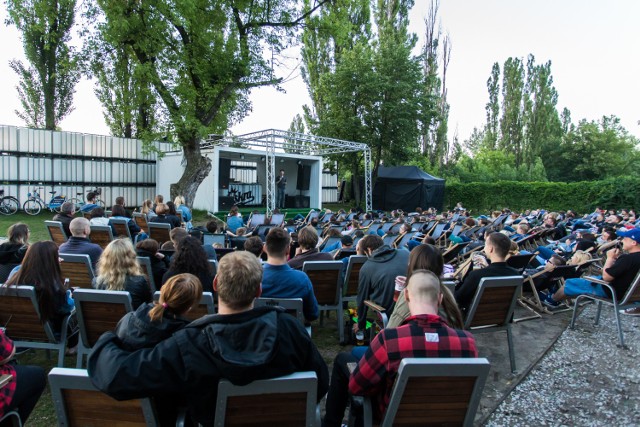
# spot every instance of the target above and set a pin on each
(274, 141)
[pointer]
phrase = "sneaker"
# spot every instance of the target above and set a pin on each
(549, 302)
(542, 295)
(633, 311)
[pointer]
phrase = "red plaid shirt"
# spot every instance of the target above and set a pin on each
(376, 372)
(6, 392)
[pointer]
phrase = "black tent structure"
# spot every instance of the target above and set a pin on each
(407, 187)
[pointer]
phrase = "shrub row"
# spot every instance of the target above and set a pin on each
(582, 197)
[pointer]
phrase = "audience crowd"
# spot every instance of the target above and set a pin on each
(156, 351)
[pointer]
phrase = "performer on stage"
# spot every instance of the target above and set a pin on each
(281, 184)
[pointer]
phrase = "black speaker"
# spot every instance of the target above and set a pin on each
(302, 202)
(225, 172)
(304, 177)
(225, 203)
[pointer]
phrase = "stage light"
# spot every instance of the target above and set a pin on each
(241, 156)
(299, 162)
(281, 160)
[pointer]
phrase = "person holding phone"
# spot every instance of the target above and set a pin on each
(281, 185)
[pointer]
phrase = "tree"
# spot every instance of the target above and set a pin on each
(48, 83)
(202, 58)
(512, 120)
(493, 108)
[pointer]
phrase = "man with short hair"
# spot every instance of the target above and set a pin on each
(120, 201)
(66, 215)
(424, 334)
(240, 343)
(79, 242)
(91, 202)
(496, 247)
(377, 276)
(282, 281)
(254, 245)
(281, 185)
(619, 270)
(308, 240)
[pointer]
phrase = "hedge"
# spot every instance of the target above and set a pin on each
(581, 197)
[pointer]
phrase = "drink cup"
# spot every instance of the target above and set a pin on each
(400, 284)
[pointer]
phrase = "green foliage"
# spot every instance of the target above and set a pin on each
(48, 83)
(496, 165)
(579, 196)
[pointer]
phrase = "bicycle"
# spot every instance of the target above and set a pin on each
(79, 203)
(35, 203)
(8, 204)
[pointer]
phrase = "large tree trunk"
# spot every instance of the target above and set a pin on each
(196, 170)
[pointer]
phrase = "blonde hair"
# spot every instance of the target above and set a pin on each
(179, 200)
(178, 295)
(238, 279)
(116, 263)
(580, 257)
(146, 206)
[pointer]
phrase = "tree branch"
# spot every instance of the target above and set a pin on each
(289, 24)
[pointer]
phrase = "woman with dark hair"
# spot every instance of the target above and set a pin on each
(159, 262)
(118, 212)
(98, 217)
(13, 251)
(41, 269)
(164, 217)
(427, 257)
(190, 257)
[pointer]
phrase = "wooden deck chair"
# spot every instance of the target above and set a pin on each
(351, 277)
(97, 312)
(56, 232)
(520, 262)
(79, 403)
(293, 306)
(159, 232)
(389, 239)
(492, 308)
(20, 314)
(631, 297)
(77, 268)
(437, 231)
(287, 401)
(141, 221)
(434, 391)
(373, 228)
(101, 235)
(402, 240)
(145, 264)
(206, 306)
(453, 251)
(325, 277)
(121, 227)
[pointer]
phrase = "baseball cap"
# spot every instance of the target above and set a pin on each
(633, 234)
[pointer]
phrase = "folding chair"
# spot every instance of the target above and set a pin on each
(351, 277)
(293, 306)
(56, 232)
(159, 232)
(77, 268)
(453, 252)
(631, 297)
(141, 221)
(434, 391)
(205, 307)
(290, 400)
(559, 274)
(79, 403)
(98, 311)
(145, 264)
(121, 227)
(403, 239)
(492, 308)
(101, 235)
(325, 278)
(20, 314)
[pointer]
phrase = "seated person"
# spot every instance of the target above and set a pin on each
(619, 270)
(159, 262)
(13, 250)
(66, 215)
(162, 210)
(234, 219)
(118, 212)
(241, 343)
(308, 240)
(98, 217)
(254, 245)
(91, 202)
(376, 371)
(175, 235)
(79, 242)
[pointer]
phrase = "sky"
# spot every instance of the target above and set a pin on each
(592, 44)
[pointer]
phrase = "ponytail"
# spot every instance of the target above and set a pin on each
(177, 296)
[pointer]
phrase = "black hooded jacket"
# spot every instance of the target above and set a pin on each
(136, 330)
(257, 344)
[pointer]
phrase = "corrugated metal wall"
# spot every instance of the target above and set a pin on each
(72, 163)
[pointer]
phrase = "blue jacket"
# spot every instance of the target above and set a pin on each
(282, 281)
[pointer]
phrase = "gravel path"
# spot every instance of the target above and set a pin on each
(585, 379)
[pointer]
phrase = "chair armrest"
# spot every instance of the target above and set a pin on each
(374, 306)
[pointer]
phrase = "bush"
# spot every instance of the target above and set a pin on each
(582, 197)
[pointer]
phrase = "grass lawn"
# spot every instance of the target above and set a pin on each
(325, 337)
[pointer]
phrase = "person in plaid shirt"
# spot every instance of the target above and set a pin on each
(26, 386)
(423, 334)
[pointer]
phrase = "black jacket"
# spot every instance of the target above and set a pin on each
(65, 220)
(12, 253)
(137, 286)
(136, 330)
(257, 344)
(158, 266)
(467, 289)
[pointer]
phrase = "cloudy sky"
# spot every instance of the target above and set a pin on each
(593, 46)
